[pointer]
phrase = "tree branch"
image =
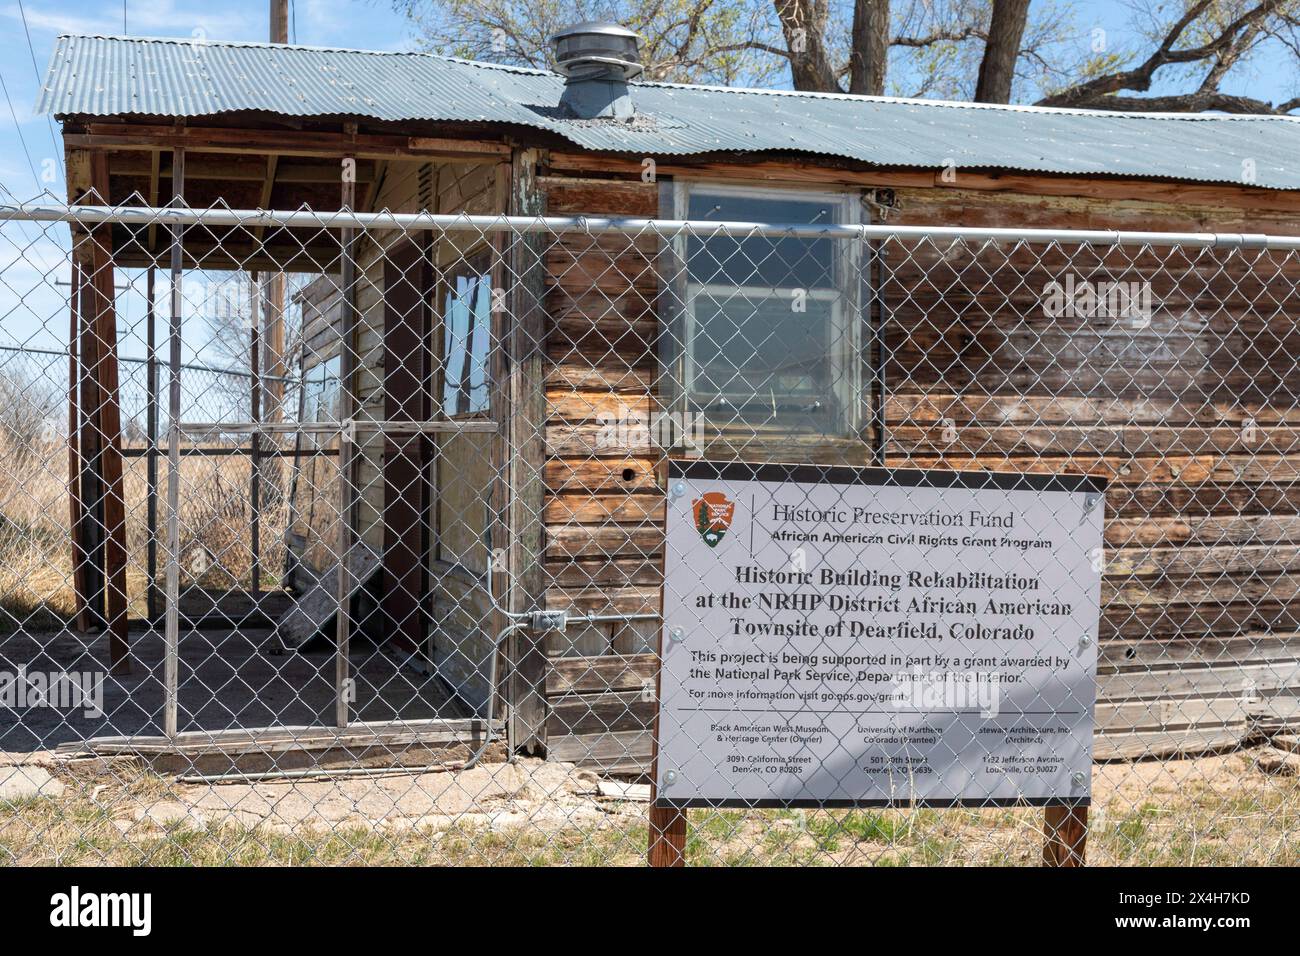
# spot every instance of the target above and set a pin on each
(1141, 77)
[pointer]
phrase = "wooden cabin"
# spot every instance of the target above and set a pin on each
(1192, 417)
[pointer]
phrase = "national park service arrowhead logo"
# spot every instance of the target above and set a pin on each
(713, 513)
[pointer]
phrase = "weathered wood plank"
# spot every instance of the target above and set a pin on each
(603, 572)
(1236, 650)
(603, 475)
(588, 675)
(1068, 441)
(603, 540)
(1199, 682)
(1020, 409)
(570, 508)
(1125, 471)
(614, 711)
(1220, 531)
(618, 752)
(604, 600)
(1210, 561)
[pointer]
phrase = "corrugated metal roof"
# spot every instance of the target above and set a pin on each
(110, 76)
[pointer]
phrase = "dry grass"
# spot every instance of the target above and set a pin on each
(35, 541)
(1209, 811)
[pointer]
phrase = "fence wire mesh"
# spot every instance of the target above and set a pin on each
(282, 496)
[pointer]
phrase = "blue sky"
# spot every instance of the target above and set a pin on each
(31, 158)
(369, 24)
(27, 158)
(33, 262)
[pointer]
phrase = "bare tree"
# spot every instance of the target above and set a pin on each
(1213, 36)
(682, 40)
(868, 58)
(1001, 51)
(1184, 54)
(804, 23)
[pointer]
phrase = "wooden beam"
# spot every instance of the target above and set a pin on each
(77, 512)
(155, 179)
(90, 545)
(87, 540)
(102, 318)
(408, 276)
(255, 440)
(268, 189)
(273, 364)
(151, 450)
(527, 333)
(284, 142)
(667, 837)
(232, 168)
(347, 455)
(175, 325)
(790, 172)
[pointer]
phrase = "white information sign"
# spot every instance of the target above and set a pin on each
(844, 636)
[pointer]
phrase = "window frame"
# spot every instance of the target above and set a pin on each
(486, 255)
(847, 334)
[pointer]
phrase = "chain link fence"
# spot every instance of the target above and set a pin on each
(335, 538)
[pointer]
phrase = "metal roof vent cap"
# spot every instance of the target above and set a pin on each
(597, 59)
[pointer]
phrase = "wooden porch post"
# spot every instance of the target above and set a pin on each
(100, 545)
(151, 447)
(103, 319)
(408, 278)
(76, 510)
(526, 453)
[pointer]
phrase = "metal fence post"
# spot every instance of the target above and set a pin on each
(347, 412)
(172, 626)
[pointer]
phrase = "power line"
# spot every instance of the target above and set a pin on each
(18, 126)
(36, 71)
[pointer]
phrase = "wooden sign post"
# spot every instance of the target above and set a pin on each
(1065, 835)
(667, 836)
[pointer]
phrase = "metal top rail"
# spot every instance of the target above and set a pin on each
(411, 222)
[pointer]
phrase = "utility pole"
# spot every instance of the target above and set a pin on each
(273, 340)
(279, 21)
(267, 347)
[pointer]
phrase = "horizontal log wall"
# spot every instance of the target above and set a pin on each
(1194, 419)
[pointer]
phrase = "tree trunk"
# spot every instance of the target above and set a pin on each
(998, 67)
(868, 58)
(804, 24)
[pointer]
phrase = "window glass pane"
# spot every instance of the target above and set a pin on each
(478, 347)
(762, 261)
(759, 353)
(321, 385)
(467, 318)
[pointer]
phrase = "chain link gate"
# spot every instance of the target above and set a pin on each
(381, 579)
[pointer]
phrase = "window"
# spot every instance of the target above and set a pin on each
(320, 384)
(467, 332)
(766, 328)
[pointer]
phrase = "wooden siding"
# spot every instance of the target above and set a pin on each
(1203, 520)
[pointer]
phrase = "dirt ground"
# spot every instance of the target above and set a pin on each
(229, 679)
(1237, 809)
